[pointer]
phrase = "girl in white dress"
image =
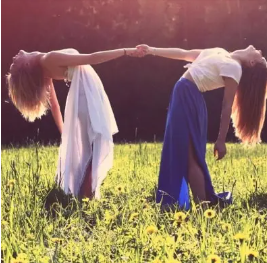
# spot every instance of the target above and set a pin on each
(86, 150)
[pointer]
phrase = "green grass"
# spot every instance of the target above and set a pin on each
(126, 225)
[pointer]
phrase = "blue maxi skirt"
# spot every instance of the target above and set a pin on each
(186, 120)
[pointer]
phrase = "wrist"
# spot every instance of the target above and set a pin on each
(152, 51)
(220, 140)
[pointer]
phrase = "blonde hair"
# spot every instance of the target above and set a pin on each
(249, 107)
(29, 91)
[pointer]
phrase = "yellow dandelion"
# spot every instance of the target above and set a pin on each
(170, 242)
(252, 254)
(4, 223)
(146, 206)
(120, 189)
(226, 227)
(241, 237)
(30, 236)
(19, 260)
(11, 183)
(143, 200)
(133, 216)
(45, 259)
(179, 216)
(173, 261)
(158, 240)
(213, 259)
(85, 200)
(209, 213)
(3, 246)
(56, 239)
(186, 255)
(151, 229)
(22, 256)
(109, 217)
(157, 260)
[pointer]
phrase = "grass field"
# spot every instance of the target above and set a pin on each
(126, 225)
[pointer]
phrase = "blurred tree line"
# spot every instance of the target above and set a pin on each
(138, 88)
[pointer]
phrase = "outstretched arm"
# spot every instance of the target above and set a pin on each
(56, 58)
(55, 108)
(173, 53)
(228, 99)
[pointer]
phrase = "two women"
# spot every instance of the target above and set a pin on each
(86, 152)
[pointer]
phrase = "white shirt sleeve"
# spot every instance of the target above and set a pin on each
(231, 69)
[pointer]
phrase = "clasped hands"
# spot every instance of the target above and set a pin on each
(139, 51)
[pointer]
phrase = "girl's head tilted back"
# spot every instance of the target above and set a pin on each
(248, 112)
(27, 87)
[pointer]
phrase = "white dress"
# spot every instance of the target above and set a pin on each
(89, 124)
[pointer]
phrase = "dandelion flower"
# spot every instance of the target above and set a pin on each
(30, 236)
(157, 260)
(173, 261)
(143, 200)
(14, 260)
(45, 259)
(4, 223)
(146, 206)
(252, 254)
(120, 189)
(241, 237)
(56, 240)
(22, 256)
(226, 227)
(158, 240)
(11, 183)
(179, 216)
(209, 213)
(213, 259)
(109, 217)
(3, 246)
(19, 260)
(151, 229)
(133, 216)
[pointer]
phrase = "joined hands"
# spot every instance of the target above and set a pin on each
(139, 51)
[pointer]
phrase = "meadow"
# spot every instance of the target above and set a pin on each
(126, 225)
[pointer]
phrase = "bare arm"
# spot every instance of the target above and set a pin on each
(173, 53)
(60, 59)
(55, 108)
(228, 99)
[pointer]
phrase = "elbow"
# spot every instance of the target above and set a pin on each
(227, 109)
(227, 106)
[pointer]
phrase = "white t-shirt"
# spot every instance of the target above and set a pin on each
(211, 66)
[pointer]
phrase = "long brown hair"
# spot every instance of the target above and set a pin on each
(248, 111)
(29, 91)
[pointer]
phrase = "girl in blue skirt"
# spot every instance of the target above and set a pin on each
(243, 75)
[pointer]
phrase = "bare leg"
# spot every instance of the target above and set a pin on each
(86, 188)
(195, 176)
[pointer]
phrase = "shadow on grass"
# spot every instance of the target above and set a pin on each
(56, 202)
(257, 200)
(56, 199)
